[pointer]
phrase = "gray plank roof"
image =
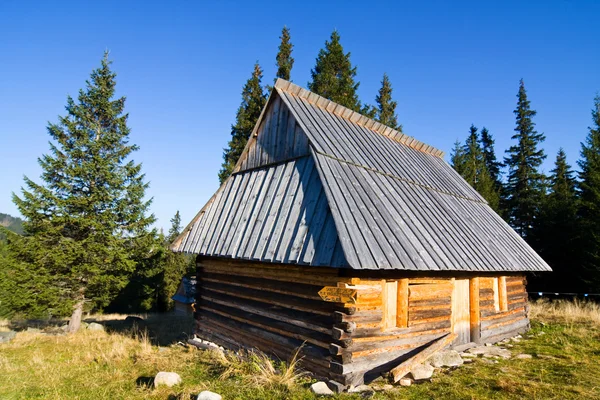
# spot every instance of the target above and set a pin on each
(275, 214)
(366, 197)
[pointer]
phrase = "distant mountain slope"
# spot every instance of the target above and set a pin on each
(12, 223)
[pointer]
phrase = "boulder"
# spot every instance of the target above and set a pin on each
(361, 389)
(94, 326)
(405, 382)
(321, 389)
(208, 395)
(167, 378)
(524, 356)
(6, 337)
(488, 351)
(464, 347)
(422, 372)
(449, 358)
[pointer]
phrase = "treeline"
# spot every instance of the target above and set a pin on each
(333, 77)
(557, 214)
(88, 242)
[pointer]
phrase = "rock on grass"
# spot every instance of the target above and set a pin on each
(321, 389)
(208, 395)
(167, 379)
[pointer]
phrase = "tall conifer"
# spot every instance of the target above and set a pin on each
(556, 231)
(333, 75)
(525, 187)
(589, 188)
(253, 101)
(89, 217)
(489, 155)
(285, 61)
(474, 170)
(386, 107)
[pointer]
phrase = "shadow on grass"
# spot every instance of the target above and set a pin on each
(161, 329)
(146, 382)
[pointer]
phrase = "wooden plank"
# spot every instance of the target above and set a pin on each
(475, 313)
(502, 293)
(401, 370)
(389, 292)
(461, 324)
(402, 304)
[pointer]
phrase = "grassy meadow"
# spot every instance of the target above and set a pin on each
(120, 364)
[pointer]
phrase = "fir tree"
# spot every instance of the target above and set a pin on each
(89, 216)
(386, 107)
(489, 155)
(457, 157)
(253, 101)
(175, 229)
(556, 230)
(285, 61)
(474, 169)
(333, 75)
(525, 185)
(589, 189)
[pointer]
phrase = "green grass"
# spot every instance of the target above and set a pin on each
(119, 364)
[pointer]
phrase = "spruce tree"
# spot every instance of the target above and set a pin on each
(386, 107)
(556, 230)
(589, 189)
(525, 185)
(175, 229)
(253, 101)
(457, 157)
(88, 217)
(285, 61)
(474, 169)
(489, 155)
(333, 75)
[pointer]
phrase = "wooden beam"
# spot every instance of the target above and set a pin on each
(389, 294)
(402, 301)
(401, 370)
(475, 314)
(502, 293)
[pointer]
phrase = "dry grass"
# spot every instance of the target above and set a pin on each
(120, 364)
(286, 376)
(563, 311)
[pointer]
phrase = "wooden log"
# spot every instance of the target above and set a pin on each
(402, 308)
(288, 330)
(502, 293)
(401, 370)
(515, 326)
(501, 315)
(284, 315)
(429, 291)
(358, 317)
(296, 289)
(475, 313)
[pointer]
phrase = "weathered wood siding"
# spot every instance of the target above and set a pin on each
(497, 325)
(275, 309)
(279, 138)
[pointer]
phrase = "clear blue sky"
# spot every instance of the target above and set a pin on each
(182, 66)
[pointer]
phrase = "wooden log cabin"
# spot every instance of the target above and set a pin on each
(354, 240)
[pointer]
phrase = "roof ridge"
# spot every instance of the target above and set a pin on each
(356, 117)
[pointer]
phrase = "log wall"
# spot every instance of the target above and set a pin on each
(505, 316)
(277, 308)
